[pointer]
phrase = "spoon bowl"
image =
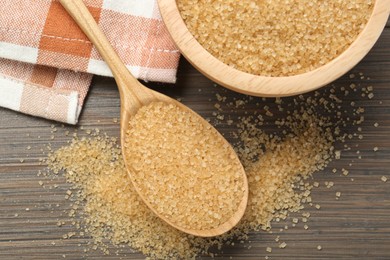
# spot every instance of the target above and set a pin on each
(264, 86)
(135, 96)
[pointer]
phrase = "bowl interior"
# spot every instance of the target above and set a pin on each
(255, 85)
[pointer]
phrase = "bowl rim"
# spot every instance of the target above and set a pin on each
(266, 86)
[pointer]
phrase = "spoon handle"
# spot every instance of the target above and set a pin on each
(82, 16)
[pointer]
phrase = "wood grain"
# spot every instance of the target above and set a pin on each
(355, 227)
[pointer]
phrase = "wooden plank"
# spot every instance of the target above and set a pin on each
(357, 226)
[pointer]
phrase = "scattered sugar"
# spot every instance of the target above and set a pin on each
(270, 38)
(283, 164)
(114, 212)
(113, 208)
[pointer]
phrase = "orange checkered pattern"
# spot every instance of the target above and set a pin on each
(46, 61)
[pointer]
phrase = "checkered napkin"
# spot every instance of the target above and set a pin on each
(46, 62)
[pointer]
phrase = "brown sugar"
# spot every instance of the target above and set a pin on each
(283, 163)
(279, 167)
(182, 167)
(275, 38)
(114, 211)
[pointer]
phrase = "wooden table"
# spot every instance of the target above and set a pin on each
(357, 226)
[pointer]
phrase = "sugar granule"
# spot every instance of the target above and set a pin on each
(182, 167)
(283, 245)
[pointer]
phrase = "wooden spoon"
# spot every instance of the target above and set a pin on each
(134, 96)
(264, 86)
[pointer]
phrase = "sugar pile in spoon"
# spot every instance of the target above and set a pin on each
(182, 167)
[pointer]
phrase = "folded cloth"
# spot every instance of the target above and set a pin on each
(46, 62)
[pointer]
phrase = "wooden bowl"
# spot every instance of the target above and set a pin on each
(264, 86)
